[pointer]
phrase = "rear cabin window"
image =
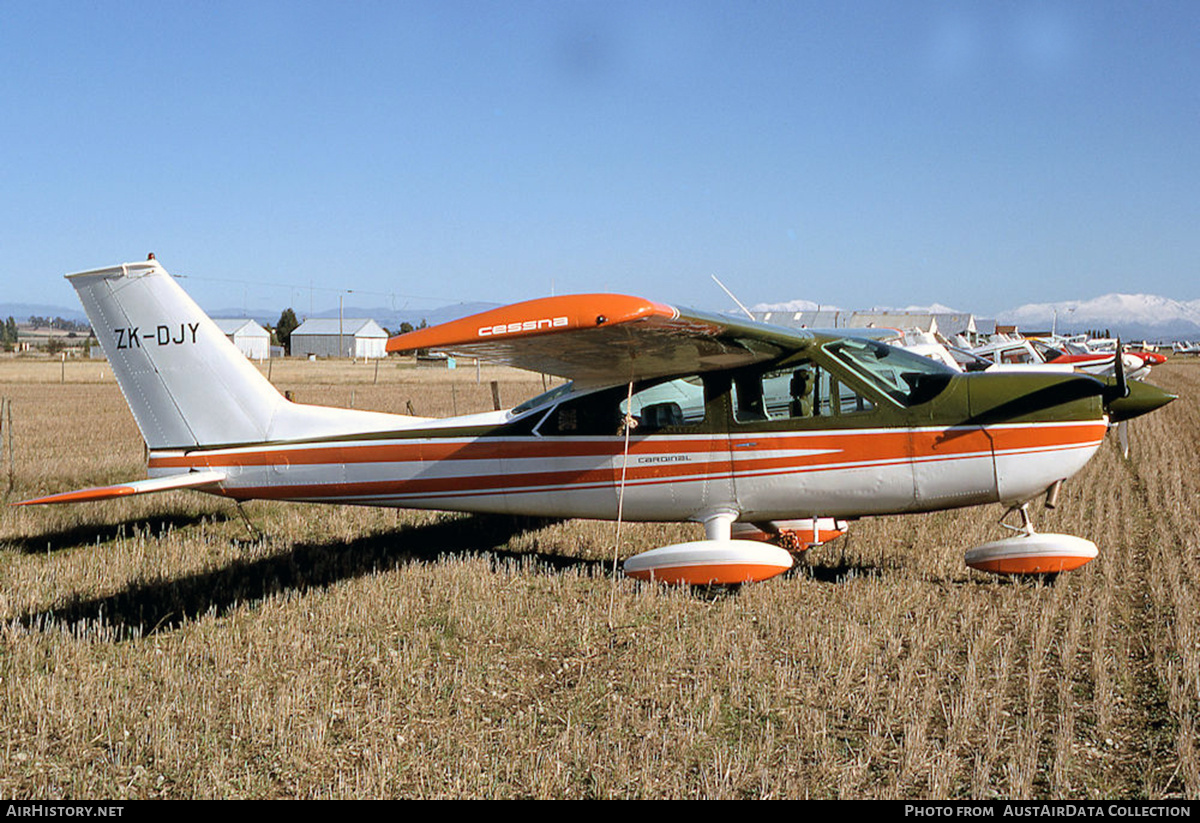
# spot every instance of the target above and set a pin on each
(656, 406)
(677, 402)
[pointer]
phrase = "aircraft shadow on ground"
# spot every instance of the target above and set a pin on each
(163, 605)
(839, 572)
(145, 608)
(91, 534)
(830, 564)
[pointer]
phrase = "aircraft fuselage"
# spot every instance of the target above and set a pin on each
(980, 438)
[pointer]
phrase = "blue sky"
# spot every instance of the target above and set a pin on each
(980, 155)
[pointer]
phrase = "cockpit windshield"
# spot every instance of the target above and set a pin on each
(544, 398)
(907, 378)
(1048, 352)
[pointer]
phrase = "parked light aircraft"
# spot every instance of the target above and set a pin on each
(1101, 362)
(671, 415)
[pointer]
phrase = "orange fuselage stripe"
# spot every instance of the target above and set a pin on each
(819, 453)
(848, 447)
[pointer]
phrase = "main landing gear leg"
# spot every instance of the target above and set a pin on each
(255, 533)
(1026, 527)
(720, 526)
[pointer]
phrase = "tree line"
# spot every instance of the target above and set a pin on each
(58, 323)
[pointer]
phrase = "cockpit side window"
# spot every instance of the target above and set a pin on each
(543, 399)
(802, 390)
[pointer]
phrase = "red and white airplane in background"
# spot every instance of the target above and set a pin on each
(1099, 361)
(671, 415)
(1065, 355)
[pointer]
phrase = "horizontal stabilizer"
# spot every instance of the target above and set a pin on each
(191, 480)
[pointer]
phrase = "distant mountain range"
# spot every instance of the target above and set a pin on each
(388, 318)
(795, 305)
(1128, 315)
(1132, 316)
(808, 305)
(21, 312)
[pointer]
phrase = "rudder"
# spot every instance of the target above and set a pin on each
(185, 382)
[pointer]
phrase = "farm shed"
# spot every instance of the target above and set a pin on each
(947, 324)
(251, 339)
(825, 319)
(349, 337)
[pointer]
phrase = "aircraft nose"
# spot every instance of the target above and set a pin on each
(1142, 398)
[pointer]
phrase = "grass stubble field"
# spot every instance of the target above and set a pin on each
(153, 647)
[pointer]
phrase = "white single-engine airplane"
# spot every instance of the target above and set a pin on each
(671, 415)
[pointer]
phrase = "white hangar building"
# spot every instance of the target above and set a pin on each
(331, 337)
(251, 339)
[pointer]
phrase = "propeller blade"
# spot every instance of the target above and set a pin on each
(1119, 370)
(1117, 387)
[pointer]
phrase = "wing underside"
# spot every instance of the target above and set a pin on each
(605, 338)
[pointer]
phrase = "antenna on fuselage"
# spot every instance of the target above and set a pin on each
(734, 299)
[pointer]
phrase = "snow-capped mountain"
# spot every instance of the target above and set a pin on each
(808, 305)
(936, 308)
(1128, 315)
(794, 305)
(1132, 316)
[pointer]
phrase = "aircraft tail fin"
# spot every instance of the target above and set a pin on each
(185, 381)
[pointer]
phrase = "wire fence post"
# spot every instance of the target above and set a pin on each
(3, 405)
(10, 446)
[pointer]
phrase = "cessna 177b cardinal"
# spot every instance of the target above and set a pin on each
(671, 415)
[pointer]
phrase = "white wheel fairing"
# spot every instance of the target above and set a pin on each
(1039, 553)
(707, 562)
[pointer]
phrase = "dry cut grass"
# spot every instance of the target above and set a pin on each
(154, 648)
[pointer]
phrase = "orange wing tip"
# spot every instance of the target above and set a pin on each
(546, 315)
(190, 480)
(1032, 554)
(709, 562)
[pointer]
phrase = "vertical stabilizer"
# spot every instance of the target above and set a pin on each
(185, 382)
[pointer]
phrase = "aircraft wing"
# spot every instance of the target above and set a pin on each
(191, 480)
(605, 338)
